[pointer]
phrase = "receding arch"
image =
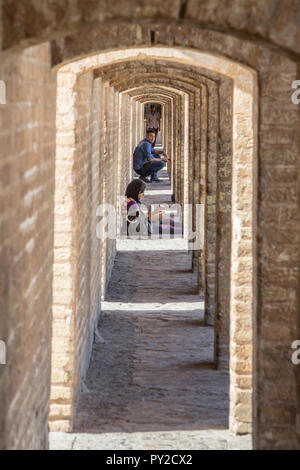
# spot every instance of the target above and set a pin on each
(244, 175)
(207, 83)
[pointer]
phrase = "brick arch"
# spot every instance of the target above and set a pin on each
(181, 174)
(278, 160)
(276, 69)
(126, 84)
(216, 275)
(208, 170)
(162, 98)
(275, 22)
(244, 176)
(166, 104)
(209, 84)
(184, 151)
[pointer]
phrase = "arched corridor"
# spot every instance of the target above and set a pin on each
(68, 126)
(105, 335)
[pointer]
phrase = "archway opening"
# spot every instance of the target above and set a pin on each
(69, 134)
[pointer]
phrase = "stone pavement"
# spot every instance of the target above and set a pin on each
(170, 440)
(152, 381)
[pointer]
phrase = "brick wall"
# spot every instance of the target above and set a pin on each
(86, 176)
(109, 175)
(277, 212)
(216, 93)
(87, 246)
(278, 255)
(275, 21)
(27, 142)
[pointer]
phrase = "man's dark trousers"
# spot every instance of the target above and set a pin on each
(151, 168)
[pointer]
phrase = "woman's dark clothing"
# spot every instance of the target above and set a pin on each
(137, 223)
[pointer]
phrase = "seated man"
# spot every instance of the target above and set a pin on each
(144, 161)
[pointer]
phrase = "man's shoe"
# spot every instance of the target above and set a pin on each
(143, 178)
(156, 180)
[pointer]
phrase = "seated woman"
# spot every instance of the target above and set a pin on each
(138, 221)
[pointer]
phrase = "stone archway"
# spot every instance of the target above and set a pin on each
(274, 53)
(243, 198)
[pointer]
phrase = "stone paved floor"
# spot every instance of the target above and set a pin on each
(170, 440)
(152, 381)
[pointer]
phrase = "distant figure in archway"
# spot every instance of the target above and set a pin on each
(144, 161)
(153, 121)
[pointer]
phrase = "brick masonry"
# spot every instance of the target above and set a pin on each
(27, 138)
(27, 195)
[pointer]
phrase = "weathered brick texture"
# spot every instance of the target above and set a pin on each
(90, 120)
(245, 140)
(27, 142)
